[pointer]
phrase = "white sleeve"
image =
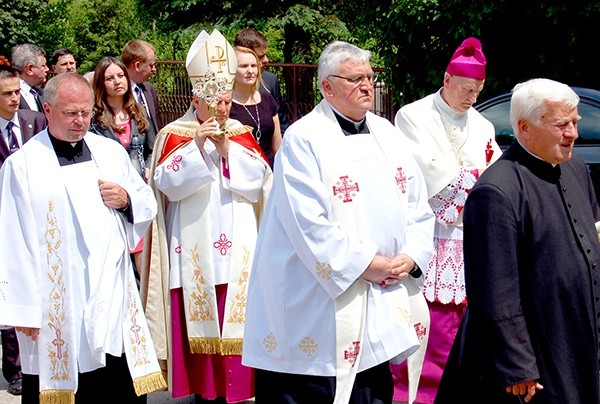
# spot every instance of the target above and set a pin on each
(184, 172)
(20, 290)
(245, 174)
(303, 207)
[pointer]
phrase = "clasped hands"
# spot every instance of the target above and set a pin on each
(388, 271)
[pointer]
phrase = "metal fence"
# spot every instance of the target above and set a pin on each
(298, 84)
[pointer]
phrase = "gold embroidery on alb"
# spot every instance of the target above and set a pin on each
(270, 342)
(308, 346)
(137, 336)
(58, 349)
(199, 306)
(403, 317)
(238, 305)
(324, 270)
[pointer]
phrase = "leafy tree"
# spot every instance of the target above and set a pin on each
(521, 40)
(17, 18)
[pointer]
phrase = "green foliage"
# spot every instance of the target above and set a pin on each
(102, 27)
(17, 23)
(418, 39)
(411, 39)
(307, 31)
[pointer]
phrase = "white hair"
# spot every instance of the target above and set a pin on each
(334, 55)
(527, 101)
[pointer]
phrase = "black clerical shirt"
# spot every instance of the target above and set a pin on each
(350, 127)
(73, 153)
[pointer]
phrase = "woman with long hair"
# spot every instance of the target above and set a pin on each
(117, 114)
(253, 108)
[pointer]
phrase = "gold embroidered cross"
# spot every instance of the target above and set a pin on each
(58, 342)
(135, 328)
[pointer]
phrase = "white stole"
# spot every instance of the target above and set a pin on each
(200, 300)
(351, 306)
(71, 264)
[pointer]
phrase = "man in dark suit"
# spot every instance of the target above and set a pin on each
(62, 61)
(17, 127)
(139, 58)
(252, 39)
(30, 61)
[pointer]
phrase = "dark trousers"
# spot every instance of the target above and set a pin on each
(111, 383)
(11, 363)
(372, 386)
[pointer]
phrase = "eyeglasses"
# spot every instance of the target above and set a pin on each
(86, 113)
(357, 80)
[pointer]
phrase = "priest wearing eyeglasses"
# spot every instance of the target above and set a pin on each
(71, 204)
(334, 289)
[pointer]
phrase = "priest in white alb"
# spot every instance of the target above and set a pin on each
(211, 179)
(71, 207)
(334, 289)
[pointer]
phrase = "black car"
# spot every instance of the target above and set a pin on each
(587, 146)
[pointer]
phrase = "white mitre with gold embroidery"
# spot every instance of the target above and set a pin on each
(211, 65)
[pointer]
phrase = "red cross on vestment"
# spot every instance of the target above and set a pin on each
(351, 353)
(401, 180)
(346, 189)
(175, 163)
(222, 244)
(421, 330)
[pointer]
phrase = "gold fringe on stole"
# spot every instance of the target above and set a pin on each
(232, 346)
(149, 383)
(213, 346)
(57, 397)
(239, 131)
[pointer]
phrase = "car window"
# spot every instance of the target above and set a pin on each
(588, 127)
(499, 115)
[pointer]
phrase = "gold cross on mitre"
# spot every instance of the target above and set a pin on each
(211, 65)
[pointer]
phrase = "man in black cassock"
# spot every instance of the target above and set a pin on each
(532, 260)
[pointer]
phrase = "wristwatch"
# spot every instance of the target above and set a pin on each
(416, 272)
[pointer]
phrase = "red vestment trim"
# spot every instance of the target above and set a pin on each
(249, 142)
(172, 143)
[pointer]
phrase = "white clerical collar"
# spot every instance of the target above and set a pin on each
(447, 109)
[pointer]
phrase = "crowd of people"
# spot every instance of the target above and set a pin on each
(341, 258)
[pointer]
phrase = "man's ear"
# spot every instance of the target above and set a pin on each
(28, 70)
(327, 88)
(523, 126)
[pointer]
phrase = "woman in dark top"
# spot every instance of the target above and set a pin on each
(117, 115)
(252, 108)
